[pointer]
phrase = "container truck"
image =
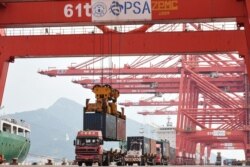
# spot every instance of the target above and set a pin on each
(142, 151)
(89, 149)
(137, 148)
(102, 122)
(162, 152)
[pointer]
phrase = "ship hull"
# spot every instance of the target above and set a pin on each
(13, 146)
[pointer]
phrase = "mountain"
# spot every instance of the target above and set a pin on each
(54, 129)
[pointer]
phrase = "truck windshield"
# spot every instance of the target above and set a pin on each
(87, 141)
(135, 146)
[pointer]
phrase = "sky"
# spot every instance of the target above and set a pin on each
(27, 90)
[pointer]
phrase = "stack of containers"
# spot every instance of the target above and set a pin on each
(113, 127)
(103, 115)
(104, 122)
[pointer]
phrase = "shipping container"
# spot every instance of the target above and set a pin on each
(165, 147)
(172, 155)
(121, 129)
(168, 149)
(153, 146)
(134, 142)
(101, 121)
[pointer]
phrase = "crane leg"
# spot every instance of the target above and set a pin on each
(4, 65)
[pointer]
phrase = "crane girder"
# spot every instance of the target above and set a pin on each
(158, 113)
(132, 44)
(152, 80)
(78, 12)
(217, 135)
(227, 86)
(140, 71)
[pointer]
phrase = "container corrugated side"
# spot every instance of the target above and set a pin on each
(152, 146)
(146, 146)
(165, 147)
(110, 127)
(121, 129)
(172, 154)
(94, 121)
(101, 121)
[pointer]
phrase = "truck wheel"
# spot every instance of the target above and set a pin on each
(153, 162)
(120, 164)
(88, 163)
(162, 162)
(79, 163)
(99, 163)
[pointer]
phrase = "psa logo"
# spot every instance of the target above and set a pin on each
(99, 9)
(116, 8)
(136, 7)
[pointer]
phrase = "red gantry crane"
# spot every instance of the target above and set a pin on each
(149, 39)
(216, 109)
(222, 72)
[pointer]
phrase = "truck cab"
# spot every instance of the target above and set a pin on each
(134, 153)
(89, 147)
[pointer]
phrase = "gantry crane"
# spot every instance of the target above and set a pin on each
(208, 85)
(30, 13)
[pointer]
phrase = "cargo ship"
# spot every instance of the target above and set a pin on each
(14, 140)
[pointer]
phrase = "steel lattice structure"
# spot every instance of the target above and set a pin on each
(222, 112)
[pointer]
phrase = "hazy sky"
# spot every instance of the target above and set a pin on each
(27, 90)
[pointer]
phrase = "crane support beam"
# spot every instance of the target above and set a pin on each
(132, 44)
(217, 145)
(139, 71)
(221, 85)
(155, 80)
(149, 103)
(237, 87)
(82, 12)
(149, 91)
(158, 113)
(213, 135)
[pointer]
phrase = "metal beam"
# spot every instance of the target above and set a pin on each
(139, 71)
(132, 44)
(77, 12)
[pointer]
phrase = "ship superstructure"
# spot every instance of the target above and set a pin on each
(168, 133)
